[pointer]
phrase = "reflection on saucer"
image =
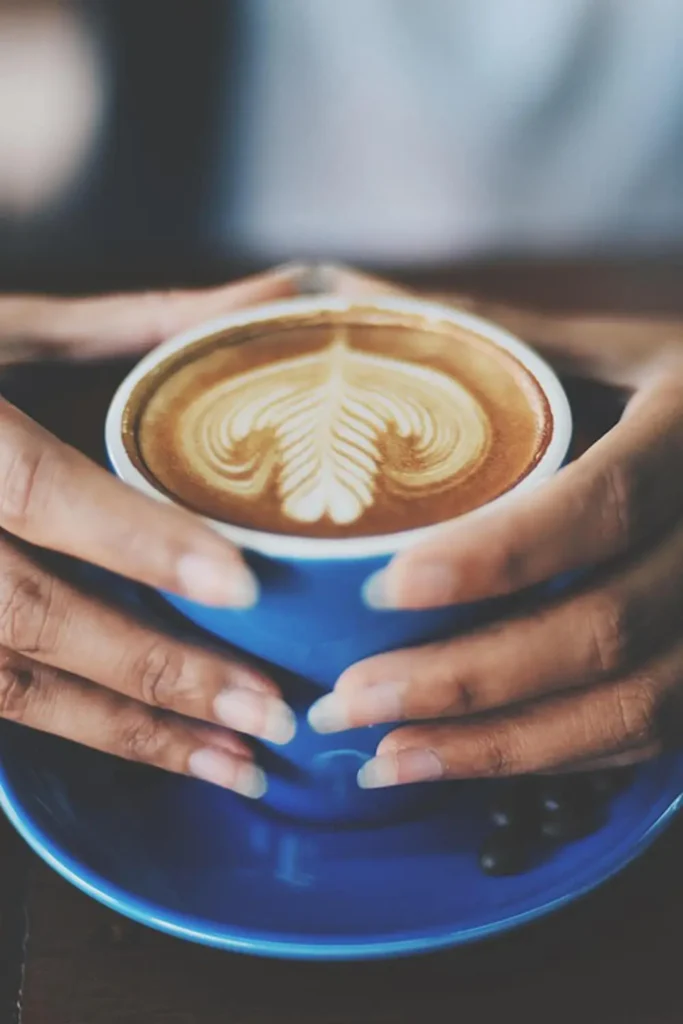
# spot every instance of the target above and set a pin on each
(337, 771)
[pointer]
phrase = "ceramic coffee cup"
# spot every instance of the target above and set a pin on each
(311, 621)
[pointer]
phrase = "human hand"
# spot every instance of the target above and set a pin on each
(72, 665)
(35, 327)
(592, 678)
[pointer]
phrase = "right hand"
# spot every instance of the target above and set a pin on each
(72, 664)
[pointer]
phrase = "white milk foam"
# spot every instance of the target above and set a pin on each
(333, 428)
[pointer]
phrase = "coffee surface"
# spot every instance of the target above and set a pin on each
(338, 427)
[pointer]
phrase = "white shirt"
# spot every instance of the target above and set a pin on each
(425, 129)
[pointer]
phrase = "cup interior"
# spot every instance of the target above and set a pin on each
(429, 315)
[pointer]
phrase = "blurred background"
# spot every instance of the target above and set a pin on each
(176, 139)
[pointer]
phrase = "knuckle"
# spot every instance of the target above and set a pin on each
(29, 616)
(636, 714)
(459, 699)
(443, 683)
(162, 676)
(143, 737)
(508, 566)
(609, 634)
(26, 473)
(616, 507)
(495, 758)
(16, 685)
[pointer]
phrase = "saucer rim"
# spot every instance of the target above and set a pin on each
(255, 943)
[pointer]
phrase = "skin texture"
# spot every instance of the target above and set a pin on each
(69, 663)
(593, 678)
(590, 679)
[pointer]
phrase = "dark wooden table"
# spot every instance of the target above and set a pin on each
(613, 958)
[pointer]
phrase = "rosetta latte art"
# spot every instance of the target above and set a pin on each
(328, 431)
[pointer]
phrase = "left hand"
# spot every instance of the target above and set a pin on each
(592, 679)
(37, 327)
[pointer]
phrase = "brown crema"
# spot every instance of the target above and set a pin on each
(361, 423)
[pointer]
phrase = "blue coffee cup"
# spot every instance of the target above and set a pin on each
(311, 621)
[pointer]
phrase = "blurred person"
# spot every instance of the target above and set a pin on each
(51, 103)
(386, 130)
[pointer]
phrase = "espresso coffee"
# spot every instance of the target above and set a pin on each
(338, 425)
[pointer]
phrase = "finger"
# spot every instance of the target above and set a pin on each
(52, 701)
(604, 631)
(52, 622)
(537, 737)
(613, 350)
(337, 279)
(38, 327)
(116, 324)
(53, 496)
(621, 493)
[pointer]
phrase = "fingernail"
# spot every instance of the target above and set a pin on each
(229, 772)
(329, 715)
(317, 278)
(382, 702)
(421, 586)
(250, 781)
(374, 590)
(256, 714)
(378, 773)
(217, 582)
(292, 268)
(400, 769)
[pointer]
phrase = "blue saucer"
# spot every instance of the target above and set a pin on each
(188, 859)
(197, 862)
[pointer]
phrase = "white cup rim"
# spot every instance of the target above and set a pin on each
(285, 546)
